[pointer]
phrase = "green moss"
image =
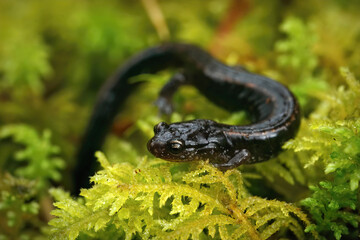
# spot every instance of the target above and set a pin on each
(152, 201)
(40, 165)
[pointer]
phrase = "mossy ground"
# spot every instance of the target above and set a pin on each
(55, 55)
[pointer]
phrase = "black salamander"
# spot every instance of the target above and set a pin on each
(273, 109)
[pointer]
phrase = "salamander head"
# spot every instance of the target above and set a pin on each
(185, 141)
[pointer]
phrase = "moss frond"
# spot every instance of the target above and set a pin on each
(335, 143)
(18, 207)
(38, 153)
(297, 49)
(151, 202)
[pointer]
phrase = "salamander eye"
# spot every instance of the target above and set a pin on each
(176, 146)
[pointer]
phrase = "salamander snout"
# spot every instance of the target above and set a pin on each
(155, 147)
(166, 144)
(158, 144)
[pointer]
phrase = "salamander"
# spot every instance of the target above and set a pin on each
(273, 109)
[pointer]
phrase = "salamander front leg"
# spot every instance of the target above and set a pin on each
(164, 101)
(241, 157)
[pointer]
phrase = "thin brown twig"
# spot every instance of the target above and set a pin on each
(237, 10)
(156, 16)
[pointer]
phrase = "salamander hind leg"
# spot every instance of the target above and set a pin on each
(240, 158)
(164, 101)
